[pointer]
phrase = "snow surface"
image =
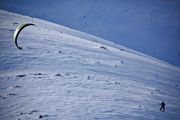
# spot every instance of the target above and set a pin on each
(64, 74)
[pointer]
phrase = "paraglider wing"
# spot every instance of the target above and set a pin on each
(18, 30)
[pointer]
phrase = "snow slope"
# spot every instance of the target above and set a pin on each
(64, 74)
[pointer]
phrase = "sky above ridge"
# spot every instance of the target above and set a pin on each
(148, 26)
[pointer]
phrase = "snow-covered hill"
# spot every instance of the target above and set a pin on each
(64, 74)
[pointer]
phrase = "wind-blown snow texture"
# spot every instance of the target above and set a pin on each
(63, 74)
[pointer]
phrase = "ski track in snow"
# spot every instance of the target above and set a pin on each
(63, 74)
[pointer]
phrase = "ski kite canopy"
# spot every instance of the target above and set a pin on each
(18, 30)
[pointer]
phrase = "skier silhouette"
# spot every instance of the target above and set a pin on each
(162, 108)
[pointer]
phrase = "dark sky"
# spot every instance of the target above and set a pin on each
(148, 26)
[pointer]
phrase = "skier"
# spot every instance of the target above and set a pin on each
(162, 108)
